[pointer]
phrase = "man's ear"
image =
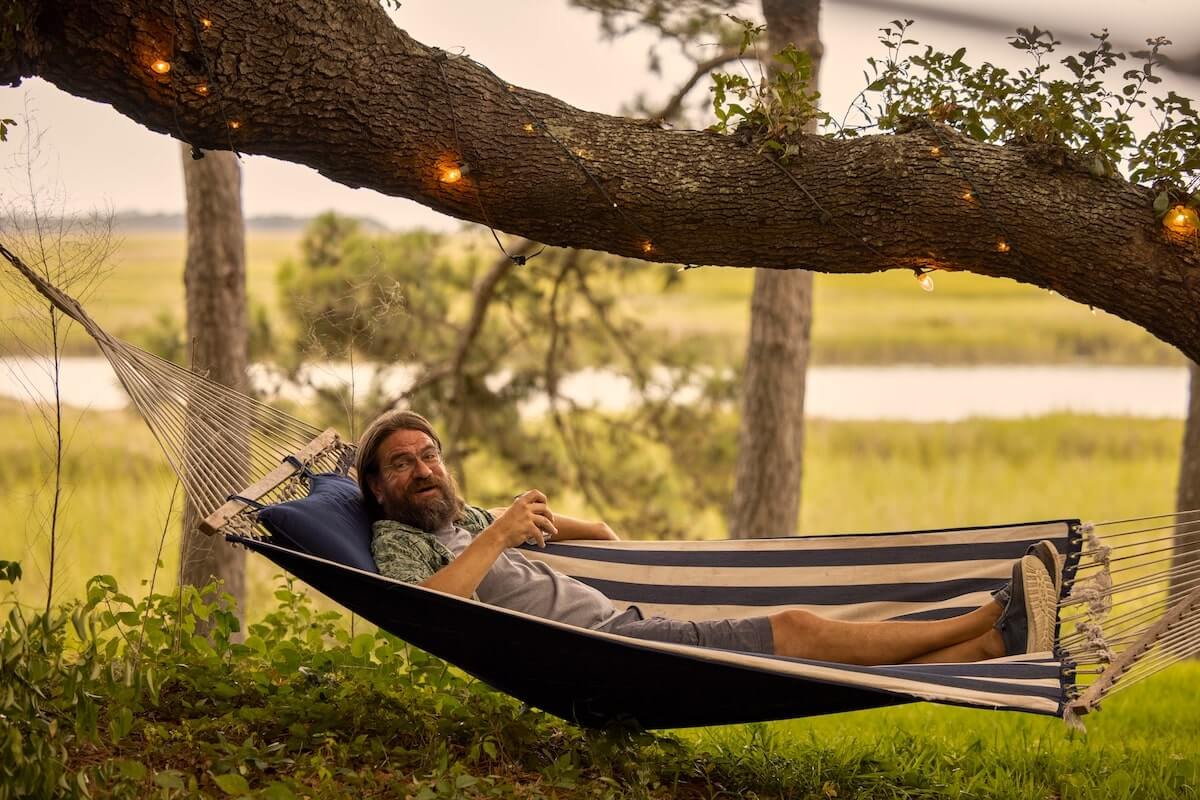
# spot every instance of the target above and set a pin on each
(374, 483)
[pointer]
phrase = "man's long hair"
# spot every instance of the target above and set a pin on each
(367, 460)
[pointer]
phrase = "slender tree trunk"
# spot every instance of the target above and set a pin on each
(766, 496)
(1187, 496)
(215, 282)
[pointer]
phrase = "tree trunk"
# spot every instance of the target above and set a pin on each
(1187, 495)
(215, 281)
(338, 87)
(770, 461)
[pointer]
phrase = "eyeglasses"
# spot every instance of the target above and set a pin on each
(404, 464)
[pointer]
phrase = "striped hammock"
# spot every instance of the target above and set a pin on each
(1130, 603)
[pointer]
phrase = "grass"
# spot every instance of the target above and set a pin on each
(146, 282)
(859, 319)
(885, 318)
(1140, 745)
(859, 476)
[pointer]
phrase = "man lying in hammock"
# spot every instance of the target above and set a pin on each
(425, 534)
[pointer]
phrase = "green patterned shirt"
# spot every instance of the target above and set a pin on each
(412, 555)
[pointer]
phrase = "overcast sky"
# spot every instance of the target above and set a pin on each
(101, 159)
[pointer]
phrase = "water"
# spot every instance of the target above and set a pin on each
(914, 393)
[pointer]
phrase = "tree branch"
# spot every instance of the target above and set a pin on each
(338, 87)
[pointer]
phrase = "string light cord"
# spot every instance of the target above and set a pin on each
(1005, 244)
(440, 57)
(540, 125)
(212, 84)
(825, 214)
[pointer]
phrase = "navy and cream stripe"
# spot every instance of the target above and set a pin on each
(596, 678)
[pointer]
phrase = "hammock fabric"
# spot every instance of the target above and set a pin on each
(595, 678)
(1130, 602)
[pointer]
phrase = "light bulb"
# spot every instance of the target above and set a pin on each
(1002, 246)
(528, 126)
(935, 150)
(206, 22)
(647, 247)
(926, 281)
(161, 67)
(202, 89)
(235, 124)
(452, 174)
(968, 196)
(1181, 220)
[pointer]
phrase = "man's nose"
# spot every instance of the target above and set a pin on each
(422, 469)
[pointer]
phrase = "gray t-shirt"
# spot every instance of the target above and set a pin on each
(522, 584)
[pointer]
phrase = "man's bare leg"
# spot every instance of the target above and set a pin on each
(981, 648)
(800, 634)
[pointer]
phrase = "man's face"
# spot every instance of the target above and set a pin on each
(412, 484)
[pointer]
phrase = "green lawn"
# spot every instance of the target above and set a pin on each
(1142, 744)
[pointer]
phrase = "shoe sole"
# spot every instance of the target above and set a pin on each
(1041, 605)
(1047, 553)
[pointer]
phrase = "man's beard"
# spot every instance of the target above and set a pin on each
(430, 512)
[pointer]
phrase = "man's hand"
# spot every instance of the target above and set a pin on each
(527, 519)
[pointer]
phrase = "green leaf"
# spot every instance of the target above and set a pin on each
(1161, 202)
(169, 779)
(232, 783)
(277, 791)
(361, 646)
(121, 724)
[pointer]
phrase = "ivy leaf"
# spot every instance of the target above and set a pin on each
(1161, 202)
(232, 784)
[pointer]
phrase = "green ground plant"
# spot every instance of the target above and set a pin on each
(109, 696)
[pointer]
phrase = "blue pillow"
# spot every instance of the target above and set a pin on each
(330, 523)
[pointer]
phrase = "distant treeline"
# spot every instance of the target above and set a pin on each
(139, 221)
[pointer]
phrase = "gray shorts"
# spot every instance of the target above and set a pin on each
(749, 635)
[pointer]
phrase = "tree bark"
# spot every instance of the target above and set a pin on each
(1187, 495)
(215, 283)
(770, 459)
(337, 86)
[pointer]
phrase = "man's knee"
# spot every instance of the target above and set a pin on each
(794, 625)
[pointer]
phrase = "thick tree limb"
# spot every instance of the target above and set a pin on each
(338, 87)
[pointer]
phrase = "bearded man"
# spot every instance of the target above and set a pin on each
(424, 533)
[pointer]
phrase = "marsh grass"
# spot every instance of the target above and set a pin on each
(860, 476)
(881, 318)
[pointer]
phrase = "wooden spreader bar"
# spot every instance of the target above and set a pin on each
(213, 523)
(1121, 664)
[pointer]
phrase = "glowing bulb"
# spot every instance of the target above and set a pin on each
(206, 22)
(926, 281)
(202, 89)
(1002, 246)
(452, 174)
(528, 126)
(1181, 220)
(968, 196)
(1093, 310)
(161, 67)
(935, 150)
(235, 124)
(647, 247)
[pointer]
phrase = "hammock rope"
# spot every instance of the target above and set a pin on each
(233, 453)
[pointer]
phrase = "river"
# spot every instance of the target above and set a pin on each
(917, 393)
